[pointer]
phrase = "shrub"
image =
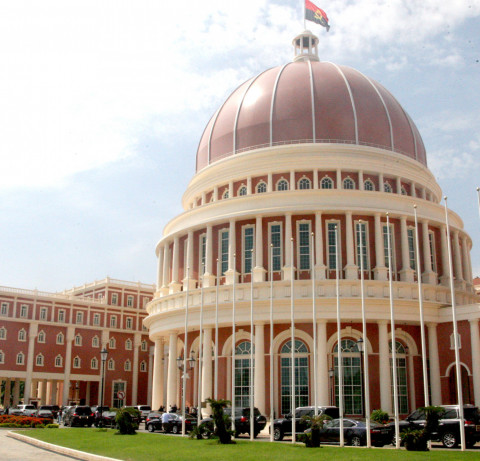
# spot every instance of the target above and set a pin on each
(203, 431)
(379, 416)
(224, 435)
(52, 426)
(432, 417)
(312, 438)
(414, 440)
(125, 421)
(20, 421)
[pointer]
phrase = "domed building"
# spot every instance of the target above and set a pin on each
(298, 157)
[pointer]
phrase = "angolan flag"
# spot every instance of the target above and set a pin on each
(316, 14)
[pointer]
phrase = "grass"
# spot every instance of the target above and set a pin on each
(152, 447)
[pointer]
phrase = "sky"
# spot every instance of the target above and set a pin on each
(102, 105)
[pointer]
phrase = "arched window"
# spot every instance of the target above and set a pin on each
(60, 338)
(41, 337)
(242, 373)
(402, 387)
(144, 345)
(78, 340)
(301, 374)
(261, 187)
(282, 185)
(95, 341)
(112, 344)
(22, 335)
(59, 361)
(326, 183)
(3, 333)
(2, 357)
(242, 191)
(352, 377)
(39, 360)
(348, 183)
(128, 365)
(304, 183)
(20, 358)
(225, 194)
(387, 187)
(94, 363)
(111, 364)
(76, 362)
(368, 185)
(143, 366)
(128, 344)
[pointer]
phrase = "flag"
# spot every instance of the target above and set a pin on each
(316, 14)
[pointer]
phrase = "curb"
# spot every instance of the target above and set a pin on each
(58, 449)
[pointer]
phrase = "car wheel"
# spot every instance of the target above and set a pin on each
(355, 441)
(277, 434)
(175, 430)
(150, 428)
(449, 440)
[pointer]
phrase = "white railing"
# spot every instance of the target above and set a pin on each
(110, 281)
(63, 296)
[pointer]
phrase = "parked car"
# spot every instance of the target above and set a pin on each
(448, 425)
(144, 410)
(97, 409)
(46, 415)
(355, 432)
(242, 420)
(174, 425)
(107, 419)
(79, 415)
(23, 410)
(283, 426)
(53, 408)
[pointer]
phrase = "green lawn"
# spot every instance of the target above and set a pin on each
(151, 447)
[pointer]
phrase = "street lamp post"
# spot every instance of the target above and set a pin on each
(103, 355)
(360, 346)
(331, 374)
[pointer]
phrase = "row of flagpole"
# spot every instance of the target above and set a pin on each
(366, 385)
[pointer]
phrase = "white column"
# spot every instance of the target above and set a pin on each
(249, 185)
(232, 271)
(323, 391)
(259, 383)
(68, 364)
(258, 270)
(428, 275)
(436, 397)
(48, 400)
(43, 391)
(172, 371)
(207, 385)
(137, 341)
(380, 270)
(166, 268)
(339, 179)
(406, 274)
(381, 182)
(475, 345)
(315, 178)
(151, 351)
(32, 334)
(270, 182)
(190, 282)
(444, 279)
(174, 285)
(215, 193)
(160, 269)
(465, 267)
(293, 184)
(384, 362)
(287, 271)
(208, 278)
(320, 267)
(230, 189)
(157, 384)
(399, 185)
(457, 258)
(361, 184)
(412, 188)
(351, 270)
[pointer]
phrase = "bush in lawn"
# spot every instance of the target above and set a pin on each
(414, 440)
(125, 421)
(379, 416)
(52, 426)
(224, 434)
(203, 431)
(312, 438)
(432, 417)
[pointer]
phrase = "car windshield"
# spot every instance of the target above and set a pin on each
(83, 411)
(145, 408)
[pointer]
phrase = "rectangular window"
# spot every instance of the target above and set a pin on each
(332, 245)
(114, 299)
(4, 310)
(129, 301)
(303, 238)
(392, 247)
(23, 310)
(276, 242)
(43, 313)
(96, 319)
(247, 249)
(61, 315)
(79, 319)
(411, 247)
(129, 323)
(202, 254)
(361, 230)
(433, 256)
(113, 321)
(224, 251)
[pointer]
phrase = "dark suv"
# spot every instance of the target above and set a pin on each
(242, 420)
(448, 426)
(80, 415)
(283, 426)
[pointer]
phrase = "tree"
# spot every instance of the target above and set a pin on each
(217, 406)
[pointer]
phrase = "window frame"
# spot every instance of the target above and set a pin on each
(365, 245)
(327, 179)
(339, 244)
(368, 181)
(279, 247)
(282, 181)
(261, 187)
(202, 253)
(300, 246)
(223, 255)
(4, 309)
(348, 178)
(61, 315)
(433, 253)
(302, 182)
(41, 337)
(60, 336)
(247, 255)
(22, 335)
(130, 301)
(24, 311)
(20, 359)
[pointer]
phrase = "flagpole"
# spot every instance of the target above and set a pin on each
(455, 334)
(233, 341)
(292, 350)
(422, 320)
(394, 342)
(366, 377)
(271, 343)
(185, 354)
(200, 354)
(304, 15)
(478, 195)
(314, 314)
(252, 349)
(216, 333)
(339, 344)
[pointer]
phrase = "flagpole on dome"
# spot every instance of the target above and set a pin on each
(315, 14)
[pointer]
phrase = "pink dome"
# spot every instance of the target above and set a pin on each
(292, 104)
